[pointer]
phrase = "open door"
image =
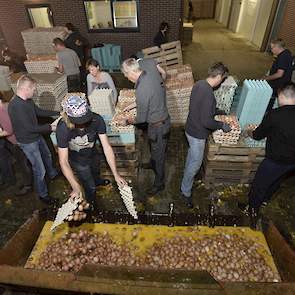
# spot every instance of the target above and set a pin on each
(234, 15)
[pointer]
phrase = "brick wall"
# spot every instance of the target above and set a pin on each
(14, 19)
(287, 29)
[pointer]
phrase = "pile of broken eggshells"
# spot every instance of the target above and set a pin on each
(227, 257)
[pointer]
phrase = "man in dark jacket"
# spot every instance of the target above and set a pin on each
(23, 114)
(281, 70)
(200, 123)
(278, 129)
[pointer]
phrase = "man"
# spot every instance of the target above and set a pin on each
(23, 114)
(277, 128)
(8, 148)
(281, 69)
(151, 106)
(76, 137)
(68, 63)
(200, 123)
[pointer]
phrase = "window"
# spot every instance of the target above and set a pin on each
(40, 16)
(112, 15)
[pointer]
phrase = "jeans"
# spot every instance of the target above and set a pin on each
(7, 173)
(267, 180)
(89, 176)
(193, 163)
(41, 160)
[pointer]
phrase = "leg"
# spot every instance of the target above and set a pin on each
(95, 171)
(6, 164)
(22, 165)
(266, 181)
(32, 152)
(193, 163)
(85, 176)
(47, 158)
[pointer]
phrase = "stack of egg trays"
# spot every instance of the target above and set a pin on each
(101, 102)
(253, 102)
(4, 78)
(225, 94)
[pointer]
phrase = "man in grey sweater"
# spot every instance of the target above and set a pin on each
(151, 107)
(200, 123)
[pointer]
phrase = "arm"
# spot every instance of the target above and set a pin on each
(130, 107)
(108, 151)
(275, 76)
(142, 103)
(89, 85)
(63, 155)
(264, 129)
(162, 72)
(60, 67)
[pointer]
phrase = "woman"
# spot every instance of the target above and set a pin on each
(161, 36)
(97, 79)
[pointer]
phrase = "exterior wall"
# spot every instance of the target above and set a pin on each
(14, 19)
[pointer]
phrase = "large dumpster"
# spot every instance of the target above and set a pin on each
(32, 238)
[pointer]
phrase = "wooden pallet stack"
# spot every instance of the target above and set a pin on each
(168, 55)
(230, 164)
(51, 89)
(179, 85)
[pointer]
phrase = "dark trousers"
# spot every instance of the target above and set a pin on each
(89, 176)
(74, 83)
(267, 180)
(158, 138)
(6, 168)
(21, 164)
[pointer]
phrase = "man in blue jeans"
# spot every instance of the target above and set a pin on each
(278, 129)
(200, 123)
(23, 114)
(77, 134)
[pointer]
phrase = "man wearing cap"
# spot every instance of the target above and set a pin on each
(76, 135)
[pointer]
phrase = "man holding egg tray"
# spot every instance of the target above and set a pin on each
(76, 135)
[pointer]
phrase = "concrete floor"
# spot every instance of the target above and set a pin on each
(211, 43)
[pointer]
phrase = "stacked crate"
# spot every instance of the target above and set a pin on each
(179, 85)
(225, 94)
(38, 41)
(41, 64)
(254, 99)
(101, 102)
(51, 90)
(168, 55)
(231, 137)
(4, 78)
(230, 164)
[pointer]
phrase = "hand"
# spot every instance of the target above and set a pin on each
(76, 194)
(53, 127)
(220, 112)
(226, 127)
(120, 180)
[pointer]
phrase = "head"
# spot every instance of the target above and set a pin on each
(93, 67)
(286, 95)
(58, 44)
(6, 54)
(3, 99)
(25, 87)
(131, 69)
(217, 73)
(164, 27)
(77, 109)
(277, 46)
(70, 28)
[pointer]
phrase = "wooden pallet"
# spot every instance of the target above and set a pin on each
(168, 55)
(230, 164)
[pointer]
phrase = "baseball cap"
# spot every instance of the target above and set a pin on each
(77, 109)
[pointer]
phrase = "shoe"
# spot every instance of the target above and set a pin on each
(187, 200)
(48, 200)
(155, 189)
(244, 208)
(23, 191)
(146, 166)
(102, 182)
(254, 217)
